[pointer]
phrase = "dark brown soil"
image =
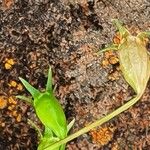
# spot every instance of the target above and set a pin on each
(66, 35)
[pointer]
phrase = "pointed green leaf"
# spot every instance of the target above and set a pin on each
(49, 81)
(70, 125)
(34, 92)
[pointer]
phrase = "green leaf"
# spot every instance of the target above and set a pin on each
(49, 81)
(134, 63)
(70, 125)
(51, 114)
(34, 92)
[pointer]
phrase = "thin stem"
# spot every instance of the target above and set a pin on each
(96, 123)
(113, 47)
(35, 127)
(26, 99)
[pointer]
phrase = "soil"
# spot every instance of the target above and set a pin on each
(67, 36)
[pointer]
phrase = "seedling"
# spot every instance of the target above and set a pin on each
(135, 66)
(133, 58)
(50, 113)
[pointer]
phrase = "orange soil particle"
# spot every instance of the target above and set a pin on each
(11, 107)
(7, 66)
(108, 54)
(12, 101)
(3, 102)
(113, 60)
(110, 58)
(13, 83)
(8, 63)
(117, 39)
(3, 124)
(16, 85)
(18, 118)
(114, 76)
(7, 4)
(14, 113)
(19, 87)
(102, 135)
(115, 146)
(105, 63)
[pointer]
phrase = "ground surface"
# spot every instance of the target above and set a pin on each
(67, 34)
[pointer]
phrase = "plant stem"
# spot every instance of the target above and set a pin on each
(96, 123)
(35, 127)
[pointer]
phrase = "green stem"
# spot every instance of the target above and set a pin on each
(96, 123)
(26, 99)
